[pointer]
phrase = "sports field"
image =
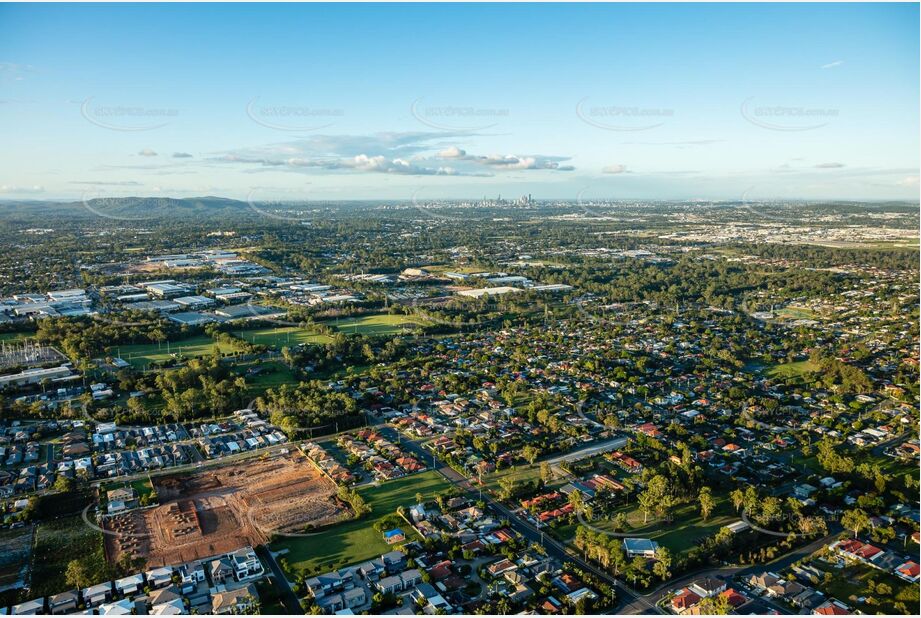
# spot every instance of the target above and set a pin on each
(379, 324)
(279, 337)
(357, 540)
(143, 354)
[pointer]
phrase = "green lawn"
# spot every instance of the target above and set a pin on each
(56, 544)
(788, 371)
(852, 582)
(273, 375)
(143, 487)
(357, 540)
(518, 473)
(685, 529)
(143, 354)
(376, 325)
(279, 337)
(797, 313)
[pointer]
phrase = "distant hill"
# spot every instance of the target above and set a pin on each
(128, 208)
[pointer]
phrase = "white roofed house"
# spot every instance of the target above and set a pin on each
(175, 607)
(640, 547)
(246, 563)
(63, 603)
(35, 606)
(130, 585)
(159, 577)
(94, 595)
(122, 607)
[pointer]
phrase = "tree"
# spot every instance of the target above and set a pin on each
(751, 499)
(717, 605)
(663, 563)
(507, 487)
(76, 574)
(856, 520)
(530, 453)
(546, 472)
(737, 497)
(655, 498)
(706, 502)
(63, 483)
(575, 499)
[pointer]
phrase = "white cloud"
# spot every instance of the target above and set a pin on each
(829, 166)
(410, 153)
(20, 189)
(452, 153)
(831, 65)
(147, 152)
(614, 169)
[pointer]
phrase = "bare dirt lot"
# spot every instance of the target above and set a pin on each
(222, 509)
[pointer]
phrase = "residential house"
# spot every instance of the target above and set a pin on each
(707, 587)
(235, 601)
(122, 607)
(684, 601)
(35, 606)
(95, 595)
(159, 577)
(832, 607)
(63, 603)
(128, 586)
(245, 563)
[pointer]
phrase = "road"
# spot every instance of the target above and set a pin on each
(589, 451)
(553, 547)
(629, 601)
(288, 598)
(776, 565)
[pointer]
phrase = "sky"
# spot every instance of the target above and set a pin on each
(424, 101)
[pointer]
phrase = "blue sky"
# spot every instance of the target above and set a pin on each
(380, 101)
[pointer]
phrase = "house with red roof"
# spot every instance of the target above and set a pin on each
(909, 571)
(684, 601)
(734, 598)
(832, 607)
(854, 549)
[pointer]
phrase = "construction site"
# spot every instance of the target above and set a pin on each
(222, 509)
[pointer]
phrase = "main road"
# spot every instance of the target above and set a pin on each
(625, 595)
